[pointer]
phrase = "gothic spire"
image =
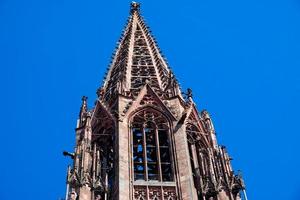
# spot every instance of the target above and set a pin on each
(137, 61)
(143, 140)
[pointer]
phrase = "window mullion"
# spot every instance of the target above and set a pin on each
(158, 154)
(145, 154)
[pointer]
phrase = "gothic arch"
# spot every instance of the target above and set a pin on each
(103, 123)
(147, 97)
(195, 135)
(153, 108)
(151, 150)
(199, 156)
(103, 148)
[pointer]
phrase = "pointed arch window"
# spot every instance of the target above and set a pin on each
(151, 147)
(198, 157)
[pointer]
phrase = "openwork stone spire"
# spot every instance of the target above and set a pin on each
(142, 140)
(137, 61)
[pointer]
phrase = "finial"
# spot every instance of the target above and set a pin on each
(134, 6)
(189, 93)
(84, 99)
(204, 114)
(100, 92)
(83, 108)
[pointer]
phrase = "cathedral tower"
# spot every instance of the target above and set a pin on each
(144, 139)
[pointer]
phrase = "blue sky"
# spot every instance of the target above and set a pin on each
(241, 58)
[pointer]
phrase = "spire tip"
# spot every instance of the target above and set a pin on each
(134, 6)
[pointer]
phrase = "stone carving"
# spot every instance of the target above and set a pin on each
(155, 193)
(140, 192)
(73, 178)
(148, 99)
(98, 184)
(86, 179)
(237, 184)
(221, 184)
(149, 116)
(169, 193)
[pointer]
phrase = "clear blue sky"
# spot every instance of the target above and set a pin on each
(241, 57)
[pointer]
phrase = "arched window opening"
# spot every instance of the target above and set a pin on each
(198, 157)
(103, 152)
(151, 147)
(193, 159)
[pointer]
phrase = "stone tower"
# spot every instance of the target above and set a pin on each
(144, 139)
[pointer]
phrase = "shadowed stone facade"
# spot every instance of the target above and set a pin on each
(145, 139)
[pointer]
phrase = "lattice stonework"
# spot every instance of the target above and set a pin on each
(119, 66)
(154, 193)
(142, 64)
(169, 193)
(140, 193)
(137, 61)
(162, 70)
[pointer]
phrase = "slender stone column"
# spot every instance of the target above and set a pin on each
(196, 165)
(123, 164)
